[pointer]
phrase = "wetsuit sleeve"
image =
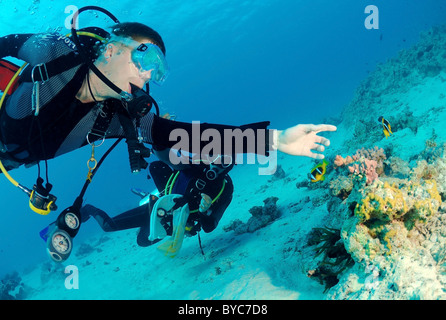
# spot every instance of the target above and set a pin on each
(251, 138)
(11, 44)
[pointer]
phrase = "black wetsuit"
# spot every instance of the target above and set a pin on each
(64, 122)
(139, 217)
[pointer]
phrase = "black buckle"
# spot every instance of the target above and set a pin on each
(43, 71)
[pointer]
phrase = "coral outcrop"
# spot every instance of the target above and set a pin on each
(392, 230)
(12, 287)
(334, 258)
(390, 209)
(261, 217)
(365, 165)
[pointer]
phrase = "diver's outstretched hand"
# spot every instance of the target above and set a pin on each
(302, 140)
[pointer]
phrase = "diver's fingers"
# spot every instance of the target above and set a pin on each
(318, 156)
(324, 127)
(318, 147)
(322, 140)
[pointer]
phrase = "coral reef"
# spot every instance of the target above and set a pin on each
(432, 150)
(385, 213)
(397, 168)
(391, 214)
(279, 174)
(391, 228)
(12, 288)
(261, 217)
(365, 165)
(400, 74)
(335, 259)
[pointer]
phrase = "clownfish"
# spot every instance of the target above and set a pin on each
(387, 129)
(318, 172)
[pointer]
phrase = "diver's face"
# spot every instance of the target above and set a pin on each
(119, 68)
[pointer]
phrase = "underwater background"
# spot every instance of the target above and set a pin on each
(238, 62)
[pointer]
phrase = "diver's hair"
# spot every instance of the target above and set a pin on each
(138, 31)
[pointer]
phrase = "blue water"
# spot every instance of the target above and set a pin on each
(232, 62)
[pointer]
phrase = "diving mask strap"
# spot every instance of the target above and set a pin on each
(125, 96)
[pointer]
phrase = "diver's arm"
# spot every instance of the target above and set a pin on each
(11, 44)
(169, 134)
(300, 140)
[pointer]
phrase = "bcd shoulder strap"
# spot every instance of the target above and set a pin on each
(42, 72)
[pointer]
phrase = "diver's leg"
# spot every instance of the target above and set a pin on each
(133, 218)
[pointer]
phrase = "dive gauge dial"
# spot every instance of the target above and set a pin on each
(71, 220)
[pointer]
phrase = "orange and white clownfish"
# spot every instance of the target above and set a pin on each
(387, 129)
(318, 172)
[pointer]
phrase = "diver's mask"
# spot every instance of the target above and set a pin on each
(147, 56)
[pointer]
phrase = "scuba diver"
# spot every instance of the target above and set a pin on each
(79, 89)
(206, 201)
(189, 198)
(88, 86)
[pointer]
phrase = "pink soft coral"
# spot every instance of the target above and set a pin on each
(365, 161)
(368, 167)
(376, 154)
(339, 161)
